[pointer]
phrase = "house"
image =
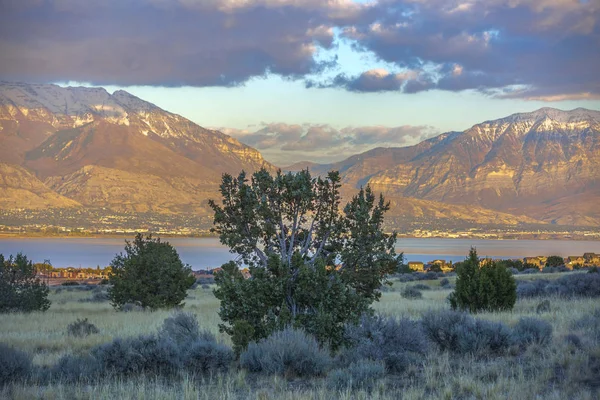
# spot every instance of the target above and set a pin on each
(537, 262)
(571, 261)
(416, 266)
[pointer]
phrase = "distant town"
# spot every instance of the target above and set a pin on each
(101, 222)
(58, 276)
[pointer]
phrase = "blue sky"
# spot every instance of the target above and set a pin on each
(316, 80)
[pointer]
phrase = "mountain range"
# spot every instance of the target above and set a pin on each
(86, 148)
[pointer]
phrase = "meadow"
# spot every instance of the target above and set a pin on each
(566, 366)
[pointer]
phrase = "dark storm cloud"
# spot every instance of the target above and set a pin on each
(550, 48)
(543, 49)
(160, 42)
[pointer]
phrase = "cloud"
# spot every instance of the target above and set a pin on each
(165, 42)
(543, 45)
(546, 48)
(285, 144)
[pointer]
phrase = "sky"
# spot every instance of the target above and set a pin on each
(316, 80)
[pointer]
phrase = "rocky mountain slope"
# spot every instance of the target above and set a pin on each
(19, 189)
(115, 151)
(544, 164)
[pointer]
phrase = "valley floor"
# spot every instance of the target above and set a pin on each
(566, 368)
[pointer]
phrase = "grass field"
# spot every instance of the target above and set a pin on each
(562, 369)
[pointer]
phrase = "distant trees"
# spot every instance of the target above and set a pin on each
(20, 289)
(311, 265)
(555, 261)
(149, 274)
(485, 286)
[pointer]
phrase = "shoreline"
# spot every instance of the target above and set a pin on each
(540, 237)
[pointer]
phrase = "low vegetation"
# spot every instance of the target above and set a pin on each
(505, 355)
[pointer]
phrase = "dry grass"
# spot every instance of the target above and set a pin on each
(557, 371)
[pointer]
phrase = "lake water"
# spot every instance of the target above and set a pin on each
(203, 253)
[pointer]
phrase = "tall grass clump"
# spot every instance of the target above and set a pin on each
(15, 365)
(396, 342)
(362, 374)
(290, 352)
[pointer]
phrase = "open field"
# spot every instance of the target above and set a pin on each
(561, 369)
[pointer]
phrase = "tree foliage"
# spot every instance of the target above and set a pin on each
(20, 288)
(485, 286)
(311, 265)
(149, 274)
(555, 261)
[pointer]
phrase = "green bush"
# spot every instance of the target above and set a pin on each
(256, 307)
(487, 287)
(290, 352)
(20, 289)
(15, 365)
(150, 274)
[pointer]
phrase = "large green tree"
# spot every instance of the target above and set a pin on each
(312, 265)
(149, 274)
(483, 286)
(20, 288)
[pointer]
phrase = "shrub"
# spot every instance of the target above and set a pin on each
(143, 354)
(181, 327)
(589, 323)
(594, 270)
(532, 288)
(444, 282)
(460, 333)
(81, 328)
(15, 365)
(206, 356)
(408, 277)
(532, 330)
(543, 307)
(411, 293)
(70, 283)
(572, 285)
(287, 352)
(396, 342)
(489, 287)
(360, 375)
(71, 368)
(20, 288)
(150, 274)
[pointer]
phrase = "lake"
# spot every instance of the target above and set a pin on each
(203, 253)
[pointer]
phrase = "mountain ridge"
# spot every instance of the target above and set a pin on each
(116, 151)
